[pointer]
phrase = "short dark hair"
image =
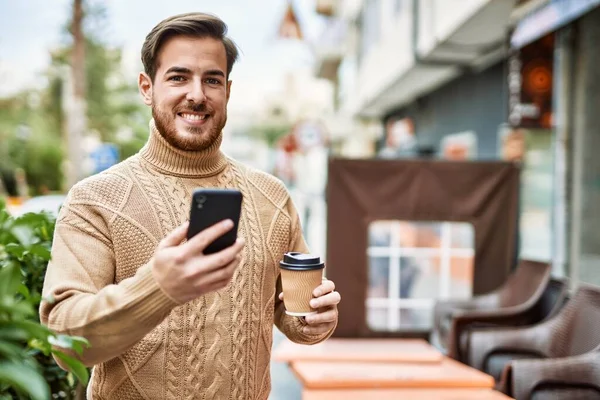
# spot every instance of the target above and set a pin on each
(195, 24)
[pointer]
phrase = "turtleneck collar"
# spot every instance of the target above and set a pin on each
(172, 161)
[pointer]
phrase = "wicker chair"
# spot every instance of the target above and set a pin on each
(568, 378)
(553, 299)
(568, 343)
(512, 304)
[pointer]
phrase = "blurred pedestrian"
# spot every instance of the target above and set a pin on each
(400, 140)
(164, 320)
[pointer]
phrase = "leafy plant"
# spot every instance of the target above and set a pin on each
(27, 369)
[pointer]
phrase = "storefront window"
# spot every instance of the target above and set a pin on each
(413, 264)
(532, 148)
(536, 196)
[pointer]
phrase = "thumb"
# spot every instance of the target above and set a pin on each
(176, 236)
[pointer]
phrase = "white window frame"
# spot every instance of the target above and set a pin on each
(393, 303)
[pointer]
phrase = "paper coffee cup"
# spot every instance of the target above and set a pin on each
(301, 274)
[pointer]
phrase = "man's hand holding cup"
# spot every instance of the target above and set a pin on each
(308, 295)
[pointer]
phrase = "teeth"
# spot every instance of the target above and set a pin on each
(193, 117)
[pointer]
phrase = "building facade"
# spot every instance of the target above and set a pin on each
(510, 80)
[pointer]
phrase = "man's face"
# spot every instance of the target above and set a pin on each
(190, 91)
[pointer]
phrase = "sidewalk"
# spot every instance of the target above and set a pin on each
(284, 385)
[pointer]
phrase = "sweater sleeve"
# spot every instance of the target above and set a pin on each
(82, 299)
(292, 326)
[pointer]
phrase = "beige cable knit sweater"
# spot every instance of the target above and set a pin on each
(145, 346)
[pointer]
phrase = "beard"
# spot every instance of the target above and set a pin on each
(198, 138)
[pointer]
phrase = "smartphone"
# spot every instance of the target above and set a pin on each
(210, 206)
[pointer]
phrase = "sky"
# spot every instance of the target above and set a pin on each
(29, 29)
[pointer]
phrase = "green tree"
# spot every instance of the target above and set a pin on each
(30, 140)
(112, 101)
(32, 122)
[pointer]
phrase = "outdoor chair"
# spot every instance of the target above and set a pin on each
(568, 378)
(512, 304)
(551, 302)
(567, 342)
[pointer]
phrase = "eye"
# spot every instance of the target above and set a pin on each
(213, 81)
(176, 78)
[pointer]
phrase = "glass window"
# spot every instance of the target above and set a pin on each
(536, 196)
(533, 148)
(413, 264)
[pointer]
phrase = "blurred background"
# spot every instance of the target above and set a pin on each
(463, 80)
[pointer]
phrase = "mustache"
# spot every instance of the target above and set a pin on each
(200, 107)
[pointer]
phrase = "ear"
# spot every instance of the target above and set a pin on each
(145, 87)
(228, 89)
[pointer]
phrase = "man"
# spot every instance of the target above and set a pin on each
(400, 140)
(165, 321)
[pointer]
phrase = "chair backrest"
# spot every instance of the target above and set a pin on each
(552, 300)
(527, 281)
(576, 329)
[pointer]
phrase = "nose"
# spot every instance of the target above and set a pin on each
(196, 92)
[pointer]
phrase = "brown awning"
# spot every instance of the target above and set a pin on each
(484, 194)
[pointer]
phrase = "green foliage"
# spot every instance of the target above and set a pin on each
(31, 139)
(270, 133)
(31, 123)
(27, 369)
(101, 63)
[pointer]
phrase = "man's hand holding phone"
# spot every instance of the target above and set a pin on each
(184, 272)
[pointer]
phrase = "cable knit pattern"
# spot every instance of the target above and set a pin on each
(151, 183)
(179, 200)
(217, 378)
(217, 327)
(197, 346)
(144, 345)
(246, 303)
(149, 186)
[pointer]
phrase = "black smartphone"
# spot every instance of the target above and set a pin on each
(210, 206)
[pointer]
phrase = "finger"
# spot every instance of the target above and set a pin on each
(317, 329)
(321, 318)
(219, 278)
(222, 258)
(202, 240)
(221, 284)
(225, 272)
(329, 299)
(234, 264)
(281, 296)
(176, 236)
(326, 286)
(215, 286)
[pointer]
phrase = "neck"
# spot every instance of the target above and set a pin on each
(173, 161)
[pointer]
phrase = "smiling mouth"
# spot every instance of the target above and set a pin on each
(193, 118)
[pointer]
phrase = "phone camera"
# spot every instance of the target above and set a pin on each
(200, 200)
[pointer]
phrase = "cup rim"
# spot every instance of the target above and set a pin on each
(294, 267)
